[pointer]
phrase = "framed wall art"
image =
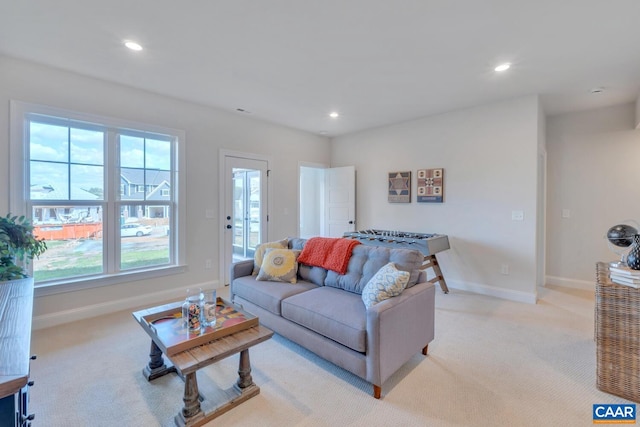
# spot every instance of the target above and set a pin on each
(399, 187)
(430, 185)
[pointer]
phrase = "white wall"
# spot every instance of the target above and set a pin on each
(207, 131)
(489, 154)
(311, 201)
(594, 171)
(637, 122)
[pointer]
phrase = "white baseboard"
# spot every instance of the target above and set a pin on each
(508, 294)
(571, 283)
(93, 310)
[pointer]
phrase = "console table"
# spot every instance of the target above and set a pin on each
(617, 336)
(16, 308)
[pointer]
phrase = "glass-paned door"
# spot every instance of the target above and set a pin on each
(244, 208)
(246, 213)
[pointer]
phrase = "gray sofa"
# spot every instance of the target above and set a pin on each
(324, 311)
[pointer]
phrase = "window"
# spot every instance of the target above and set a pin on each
(90, 186)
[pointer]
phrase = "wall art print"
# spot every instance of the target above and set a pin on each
(430, 185)
(399, 187)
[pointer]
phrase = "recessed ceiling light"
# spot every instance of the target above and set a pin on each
(334, 115)
(133, 45)
(502, 67)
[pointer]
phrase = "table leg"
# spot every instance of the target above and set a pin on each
(156, 367)
(244, 370)
(191, 396)
(191, 413)
(432, 262)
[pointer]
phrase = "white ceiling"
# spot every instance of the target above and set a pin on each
(377, 62)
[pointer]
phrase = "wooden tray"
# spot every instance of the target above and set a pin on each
(166, 326)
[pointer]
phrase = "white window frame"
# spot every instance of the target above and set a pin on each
(19, 194)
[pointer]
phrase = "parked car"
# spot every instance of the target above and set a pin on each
(138, 230)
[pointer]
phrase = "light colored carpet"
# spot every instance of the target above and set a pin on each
(492, 363)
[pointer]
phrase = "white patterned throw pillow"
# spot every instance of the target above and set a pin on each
(386, 283)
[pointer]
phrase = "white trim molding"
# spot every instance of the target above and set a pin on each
(508, 294)
(93, 310)
(571, 283)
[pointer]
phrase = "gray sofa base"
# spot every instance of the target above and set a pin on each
(416, 321)
(330, 350)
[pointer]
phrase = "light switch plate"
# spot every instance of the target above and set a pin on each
(517, 215)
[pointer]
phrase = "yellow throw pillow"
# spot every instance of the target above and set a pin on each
(259, 255)
(279, 265)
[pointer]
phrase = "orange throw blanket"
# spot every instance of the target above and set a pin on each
(332, 253)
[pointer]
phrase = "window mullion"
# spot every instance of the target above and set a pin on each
(111, 242)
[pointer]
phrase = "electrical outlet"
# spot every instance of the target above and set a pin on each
(208, 264)
(504, 269)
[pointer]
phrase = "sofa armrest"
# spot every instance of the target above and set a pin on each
(240, 269)
(397, 329)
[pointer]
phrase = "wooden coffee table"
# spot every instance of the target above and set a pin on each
(195, 351)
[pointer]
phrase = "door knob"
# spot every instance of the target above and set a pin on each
(350, 222)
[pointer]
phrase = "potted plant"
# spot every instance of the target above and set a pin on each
(18, 246)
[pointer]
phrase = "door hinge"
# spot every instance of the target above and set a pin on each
(267, 218)
(268, 172)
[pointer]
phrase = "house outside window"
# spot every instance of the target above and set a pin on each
(83, 185)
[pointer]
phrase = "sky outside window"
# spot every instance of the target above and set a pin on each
(66, 162)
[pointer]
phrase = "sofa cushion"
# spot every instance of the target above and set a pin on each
(296, 243)
(307, 272)
(331, 312)
(267, 295)
(279, 265)
(367, 260)
(388, 282)
(260, 250)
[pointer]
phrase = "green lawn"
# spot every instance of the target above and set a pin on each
(65, 259)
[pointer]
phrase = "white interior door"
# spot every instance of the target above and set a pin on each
(340, 201)
(244, 209)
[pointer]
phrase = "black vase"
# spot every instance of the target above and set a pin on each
(633, 258)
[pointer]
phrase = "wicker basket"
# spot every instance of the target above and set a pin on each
(617, 336)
